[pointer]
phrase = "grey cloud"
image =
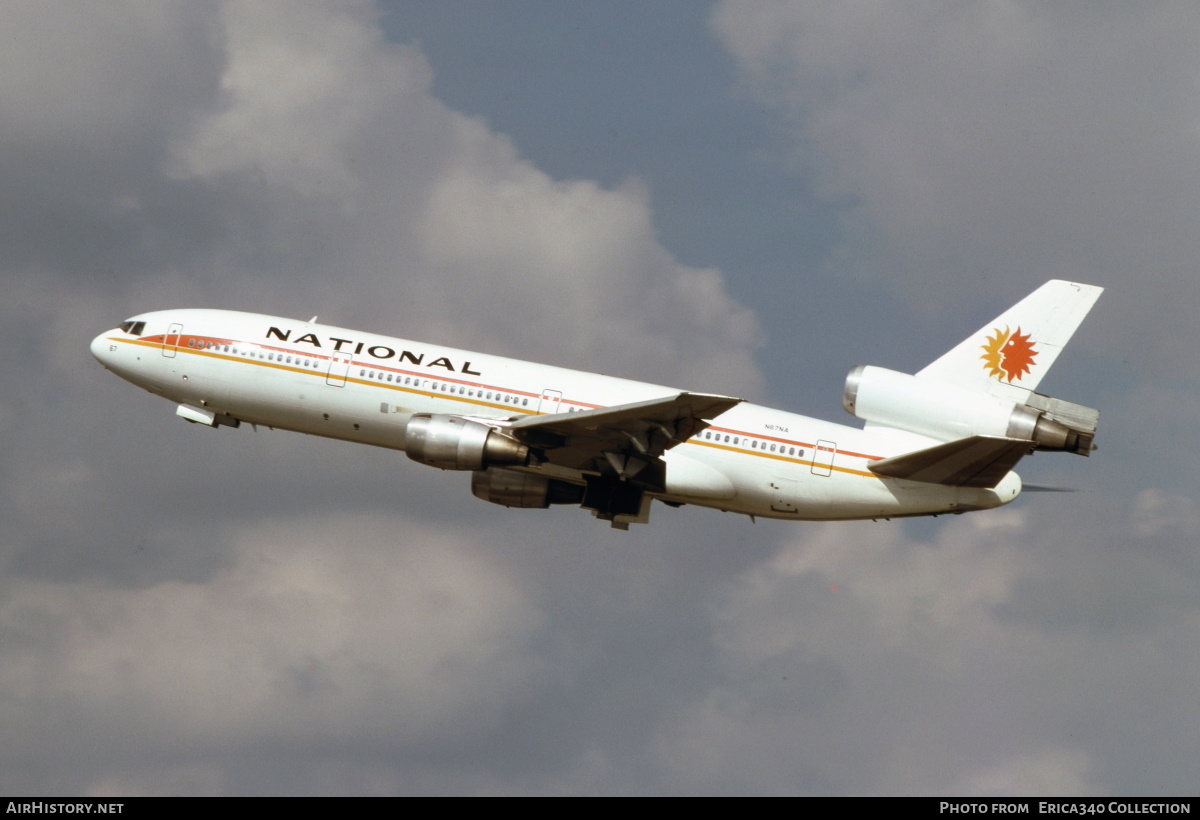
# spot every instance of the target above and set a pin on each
(1007, 142)
(200, 611)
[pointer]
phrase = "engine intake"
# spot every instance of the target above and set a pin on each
(455, 443)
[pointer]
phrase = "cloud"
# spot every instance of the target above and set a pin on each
(1006, 142)
(858, 660)
(306, 635)
(330, 141)
(195, 611)
(212, 613)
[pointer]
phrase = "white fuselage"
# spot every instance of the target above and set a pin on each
(355, 386)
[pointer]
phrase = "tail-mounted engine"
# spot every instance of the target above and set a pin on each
(455, 443)
(945, 412)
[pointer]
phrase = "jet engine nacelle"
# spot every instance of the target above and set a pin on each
(513, 488)
(947, 413)
(455, 443)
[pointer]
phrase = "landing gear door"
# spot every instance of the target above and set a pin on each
(171, 340)
(339, 368)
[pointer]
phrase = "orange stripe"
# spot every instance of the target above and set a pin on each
(150, 341)
(788, 459)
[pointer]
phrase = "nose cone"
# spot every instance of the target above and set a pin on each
(100, 348)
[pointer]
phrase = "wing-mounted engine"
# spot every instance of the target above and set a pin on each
(945, 412)
(513, 488)
(455, 443)
(619, 450)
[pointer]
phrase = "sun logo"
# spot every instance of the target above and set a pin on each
(1008, 355)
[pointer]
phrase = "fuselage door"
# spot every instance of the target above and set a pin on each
(549, 401)
(339, 368)
(171, 341)
(822, 463)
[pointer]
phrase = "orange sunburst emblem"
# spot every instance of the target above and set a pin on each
(1008, 356)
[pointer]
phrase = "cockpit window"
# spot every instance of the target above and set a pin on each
(133, 328)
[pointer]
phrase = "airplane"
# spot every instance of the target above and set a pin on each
(943, 440)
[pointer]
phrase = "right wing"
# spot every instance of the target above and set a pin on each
(627, 438)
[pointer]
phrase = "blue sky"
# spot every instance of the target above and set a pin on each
(610, 92)
(746, 196)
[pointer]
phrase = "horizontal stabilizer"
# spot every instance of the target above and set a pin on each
(977, 461)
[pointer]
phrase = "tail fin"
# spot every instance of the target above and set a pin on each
(980, 394)
(1009, 356)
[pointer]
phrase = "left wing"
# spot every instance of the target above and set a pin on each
(627, 438)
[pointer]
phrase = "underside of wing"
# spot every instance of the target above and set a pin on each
(977, 461)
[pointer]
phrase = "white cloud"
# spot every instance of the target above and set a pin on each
(987, 658)
(302, 85)
(267, 625)
(80, 78)
(337, 625)
(394, 211)
(185, 605)
(1155, 510)
(1051, 771)
(977, 146)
